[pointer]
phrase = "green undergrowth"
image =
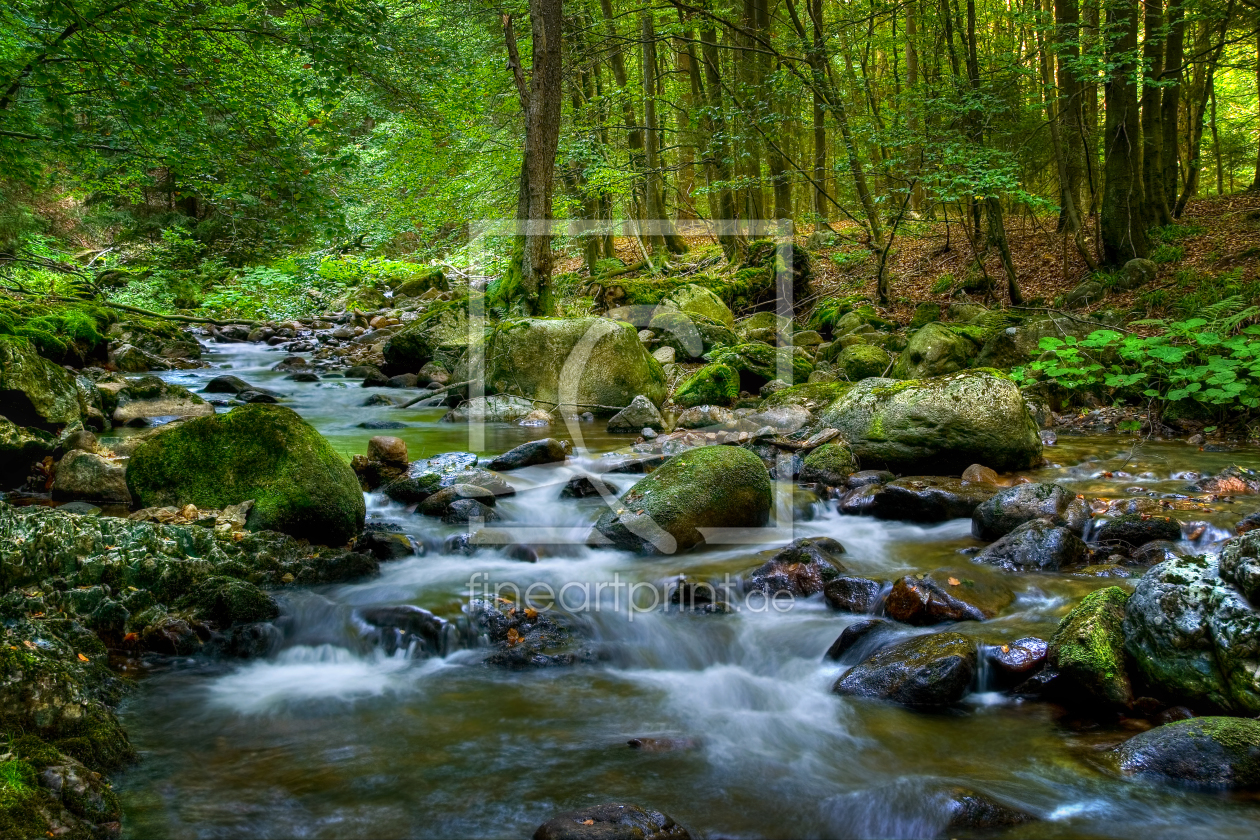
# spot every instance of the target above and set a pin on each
(67, 333)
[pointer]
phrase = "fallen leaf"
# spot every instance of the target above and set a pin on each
(83, 658)
(954, 581)
(588, 822)
(513, 637)
(531, 613)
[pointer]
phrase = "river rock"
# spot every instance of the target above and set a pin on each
(150, 396)
(586, 486)
(715, 384)
(1013, 506)
(858, 595)
(614, 821)
(918, 499)
(933, 350)
(226, 384)
(545, 451)
(1136, 529)
(1231, 481)
(860, 639)
(84, 476)
(922, 602)
(1087, 653)
(131, 359)
(439, 503)
(1037, 546)
(485, 479)
(972, 811)
(407, 627)
(1210, 752)
(937, 426)
(705, 417)
(862, 361)
(20, 448)
(928, 671)
(523, 638)
(708, 487)
(830, 464)
(1240, 565)
(267, 453)
(387, 449)
(385, 545)
(227, 601)
(34, 392)
(413, 489)
(496, 409)
(441, 335)
(1192, 634)
(1016, 661)
(462, 511)
(574, 364)
(688, 334)
(634, 417)
(802, 568)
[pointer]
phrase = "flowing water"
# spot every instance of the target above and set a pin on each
(329, 737)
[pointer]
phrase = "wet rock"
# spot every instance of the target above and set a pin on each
(20, 449)
(639, 413)
(149, 396)
(227, 601)
(1209, 752)
(708, 487)
(864, 478)
(923, 602)
(522, 637)
(303, 376)
(1035, 546)
(860, 639)
(1015, 662)
(92, 478)
(1240, 566)
(661, 745)
(496, 409)
(1250, 522)
(379, 399)
(131, 359)
(439, 503)
(83, 440)
(255, 395)
(298, 483)
(486, 480)
(226, 384)
(413, 489)
(854, 594)
(545, 451)
(802, 568)
(705, 416)
(831, 464)
(1231, 481)
(1013, 506)
(402, 380)
(585, 486)
(462, 511)
(614, 821)
(407, 627)
(969, 810)
(382, 425)
(1087, 653)
(862, 361)
(388, 450)
(1194, 635)
(784, 419)
(937, 426)
(928, 671)
(384, 545)
(1136, 529)
(81, 508)
(923, 499)
(375, 379)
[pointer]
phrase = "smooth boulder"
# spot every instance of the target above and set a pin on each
(88, 477)
(708, 487)
(1210, 752)
(933, 350)
(266, 453)
(917, 499)
(925, 672)
(1037, 546)
(149, 396)
(1087, 653)
(1013, 506)
(937, 426)
(634, 417)
(545, 451)
(33, 391)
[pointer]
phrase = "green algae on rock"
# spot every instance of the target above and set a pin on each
(933, 350)
(708, 487)
(1213, 752)
(266, 453)
(34, 391)
(714, 384)
(1087, 651)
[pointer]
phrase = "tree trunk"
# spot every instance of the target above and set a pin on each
(651, 145)
(1170, 106)
(1255, 181)
(1123, 217)
(1216, 143)
(1157, 211)
(1197, 114)
(1090, 38)
(718, 154)
(1071, 117)
(820, 116)
(634, 135)
(912, 104)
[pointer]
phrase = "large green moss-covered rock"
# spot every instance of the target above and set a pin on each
(933, 350)
(937, 426)
(441, 335)
(1215, 752)
(709, 487)
(1194, 636)
(698, 300)
(811, 396)
(862, 361)
(591, 364)
(690, 335)
(267, 453)
(34, 391)
(710, 385)
(1087, 651)
(760, 363)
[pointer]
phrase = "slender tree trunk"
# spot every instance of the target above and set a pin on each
(634, 135)
(1123, 218)
(913, 124)
(1091, 35)
(1068, 48)
(820, 116)
(1255, 181)
(655, 212)
(719, 149)
(1197, 114)
(1157, 211)
(1216, 144)
(1170, 106)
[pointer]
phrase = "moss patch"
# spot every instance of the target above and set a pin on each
(1088, 650)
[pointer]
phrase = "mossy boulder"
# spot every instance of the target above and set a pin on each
(810, 396)
(266, 453)
(151, 396)
(924, 314)
(937, 426)
(33, 391)
(1193, 636)
(441, 335)
(759, 363)
(933, 350)
(421, 282)
(227, 601)
(862, 361)
(924, 672)
(697, 300)
(583, 364)
(708, 487)
(763, 326)
(710, 385)
(1211, 752)
(830, 464)
(1087, 652)
(689, 334)
(20, 448)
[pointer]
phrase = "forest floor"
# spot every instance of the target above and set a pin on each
(1212, 252)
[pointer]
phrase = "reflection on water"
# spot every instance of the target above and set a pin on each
(329, 738)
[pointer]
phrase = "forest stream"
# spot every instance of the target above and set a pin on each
(739, 734)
